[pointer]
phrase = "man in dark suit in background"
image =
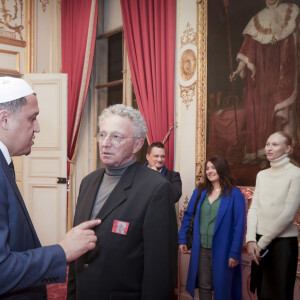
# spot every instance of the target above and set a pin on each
(156, 157)
(25, 266)
(137, 256)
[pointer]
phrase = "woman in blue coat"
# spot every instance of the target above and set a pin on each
(218, 235)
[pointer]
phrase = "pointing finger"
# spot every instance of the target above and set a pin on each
(89, 224)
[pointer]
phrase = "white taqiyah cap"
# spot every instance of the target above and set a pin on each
(13, 88)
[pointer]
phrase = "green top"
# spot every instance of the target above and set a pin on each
(208, 216)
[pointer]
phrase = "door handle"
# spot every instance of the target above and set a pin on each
(61, 180)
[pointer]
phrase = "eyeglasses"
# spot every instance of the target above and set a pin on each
(115, 139)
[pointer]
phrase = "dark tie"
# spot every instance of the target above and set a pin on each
(12, 168)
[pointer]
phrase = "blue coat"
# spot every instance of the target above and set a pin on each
(25, 266)
(227, 242)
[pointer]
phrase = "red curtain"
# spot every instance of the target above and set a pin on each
(78, 34)
(149, 28)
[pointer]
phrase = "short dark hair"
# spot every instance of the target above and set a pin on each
(156, 145)
(224, 172)
(14, 106)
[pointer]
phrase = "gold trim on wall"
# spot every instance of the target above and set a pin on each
(58, 35)
(15, 71)
(201, 113)
(51, 13)
(29, 36)
(12, 42)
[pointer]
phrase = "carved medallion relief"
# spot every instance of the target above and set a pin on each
(188, 65)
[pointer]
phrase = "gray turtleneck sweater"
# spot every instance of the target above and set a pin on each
(111, 177)
(275, 203)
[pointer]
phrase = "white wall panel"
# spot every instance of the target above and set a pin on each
(185, 135)
(50, 93)
(47, 37)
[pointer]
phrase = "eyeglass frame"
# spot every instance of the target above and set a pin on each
(114, 138)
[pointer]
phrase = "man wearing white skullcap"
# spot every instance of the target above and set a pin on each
(25, 266)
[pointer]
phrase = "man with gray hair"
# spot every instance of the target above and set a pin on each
(25, 266)
(137, 255)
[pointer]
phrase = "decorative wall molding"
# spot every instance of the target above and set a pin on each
(12, 42)
(11, 19)
(29, 36)
(201, 114)
(182, 210)
(189, 35)
(44, 4)
(188, 65)
(187, 94)
(10, 62)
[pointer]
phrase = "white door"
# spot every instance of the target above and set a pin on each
(46, 200)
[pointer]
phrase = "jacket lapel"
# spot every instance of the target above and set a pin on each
(91, 195)
(12, 182)
(222, 210)
(197, 214)
(118, 195)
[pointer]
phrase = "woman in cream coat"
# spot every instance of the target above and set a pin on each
(270, 227)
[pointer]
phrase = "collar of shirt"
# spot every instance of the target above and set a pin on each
(5, 152)
(163, 170)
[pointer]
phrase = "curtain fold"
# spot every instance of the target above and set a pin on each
(150, 32)
(78, 34)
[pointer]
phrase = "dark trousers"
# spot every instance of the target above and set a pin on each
(275, 276)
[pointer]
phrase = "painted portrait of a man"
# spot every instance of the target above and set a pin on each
(253, 80)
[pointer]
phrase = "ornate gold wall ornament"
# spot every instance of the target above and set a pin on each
(187, 94)
(44, 4)
(182, 210)
(10, 35)
(11, 19)
(201, 114)
(188, 75)
(187, 64)
(189, 36)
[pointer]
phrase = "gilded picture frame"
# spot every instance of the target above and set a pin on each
(221, 49)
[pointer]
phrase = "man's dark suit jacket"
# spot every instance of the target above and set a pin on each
(25, 267)
(175, 180)
(140, 264)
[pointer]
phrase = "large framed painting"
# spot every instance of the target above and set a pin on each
(248, 81)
